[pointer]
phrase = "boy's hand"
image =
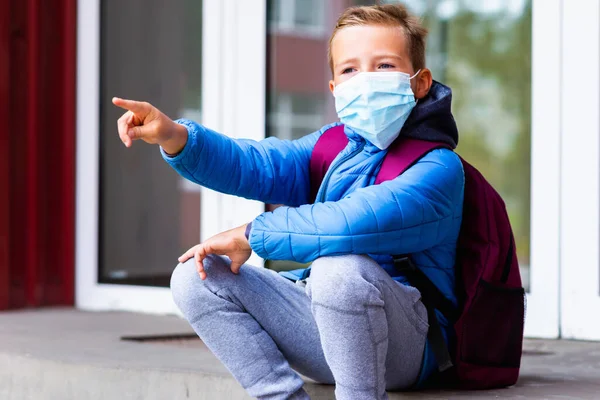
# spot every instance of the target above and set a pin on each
(232, 243)
(144, 121)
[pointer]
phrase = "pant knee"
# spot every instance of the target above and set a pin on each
(347, 264)
(341, 281)
(186, 285)
(184, 281)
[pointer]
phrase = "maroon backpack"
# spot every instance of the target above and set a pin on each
(489, 321)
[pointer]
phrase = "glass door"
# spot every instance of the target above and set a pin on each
(151, 51)
(580, 201)
(135, 215)
(497, 57)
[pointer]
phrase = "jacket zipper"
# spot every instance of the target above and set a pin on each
(332, 168)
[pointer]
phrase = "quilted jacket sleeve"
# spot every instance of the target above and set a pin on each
(411, 213)
(272, 170)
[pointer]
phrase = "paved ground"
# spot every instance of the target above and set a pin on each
(65, 354)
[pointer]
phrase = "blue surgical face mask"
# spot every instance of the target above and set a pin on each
(375, 105)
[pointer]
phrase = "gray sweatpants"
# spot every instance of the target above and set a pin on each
(352, 325)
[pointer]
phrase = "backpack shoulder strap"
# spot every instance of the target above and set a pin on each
(403, 154)
(329, 145)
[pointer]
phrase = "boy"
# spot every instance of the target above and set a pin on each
(357, 323)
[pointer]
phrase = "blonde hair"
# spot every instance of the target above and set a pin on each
(386, 15)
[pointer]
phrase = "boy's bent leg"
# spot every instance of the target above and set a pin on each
(373, 330)
(254, 322)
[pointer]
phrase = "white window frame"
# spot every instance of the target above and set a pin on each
(234, 33)
(543, 300)
(580, 200)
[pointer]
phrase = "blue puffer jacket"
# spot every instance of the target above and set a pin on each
(418, 213)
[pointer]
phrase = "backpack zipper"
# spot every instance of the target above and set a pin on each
(334, 167)
(508, 262)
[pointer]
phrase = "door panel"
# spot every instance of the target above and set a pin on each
(580, 200)
(497, 57)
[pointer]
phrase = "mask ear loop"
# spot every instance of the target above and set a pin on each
(416, 73)
(410, 79)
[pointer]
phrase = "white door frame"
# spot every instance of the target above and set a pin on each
(232, 29)
(580, 200)
(543, 299)
(236, 79)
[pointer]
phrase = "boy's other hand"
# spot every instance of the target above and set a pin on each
(144, 121)
(231, 243)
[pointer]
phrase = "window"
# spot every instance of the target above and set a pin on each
(300, 17)
(292, 115)
(481, 49)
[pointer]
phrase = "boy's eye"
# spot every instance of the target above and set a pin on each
(386, 66)
(347, 71)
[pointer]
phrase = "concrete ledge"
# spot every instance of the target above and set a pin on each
(32, 378)
(66, 354)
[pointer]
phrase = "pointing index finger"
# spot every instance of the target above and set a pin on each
(131, 105)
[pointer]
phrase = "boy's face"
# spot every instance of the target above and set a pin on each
(374, 48)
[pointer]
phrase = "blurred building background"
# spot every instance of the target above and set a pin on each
(504, 60)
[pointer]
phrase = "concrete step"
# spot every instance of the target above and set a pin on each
(66, 354)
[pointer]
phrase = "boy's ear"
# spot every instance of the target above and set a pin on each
(331, 86)
(422, 83)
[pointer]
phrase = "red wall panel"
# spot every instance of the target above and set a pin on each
(4, 151)
(38, 269)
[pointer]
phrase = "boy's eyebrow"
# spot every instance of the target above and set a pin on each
(347, 61)
(388, 55)
(378, 56)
